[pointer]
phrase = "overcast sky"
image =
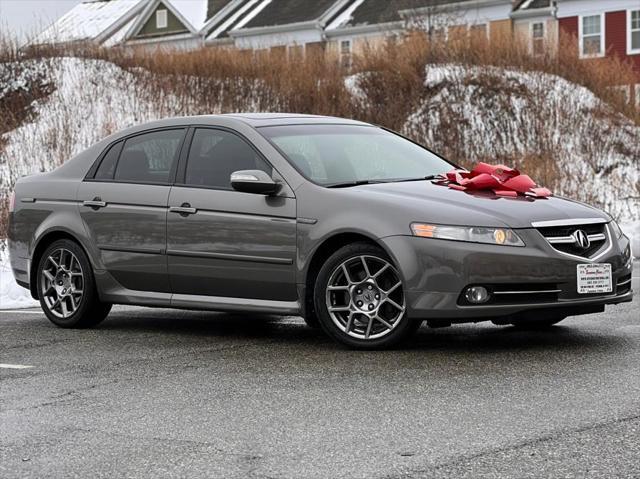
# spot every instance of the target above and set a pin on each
(23, 17)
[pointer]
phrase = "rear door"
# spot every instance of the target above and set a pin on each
(124, 207)
(221, 242)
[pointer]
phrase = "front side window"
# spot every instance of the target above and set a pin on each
(149, 158)
(592, 36)
(537, 38)
(216, 154)
(333, 154)
(161, 19)
(633, 42)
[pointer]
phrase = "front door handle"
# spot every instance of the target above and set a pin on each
(95, 203)
(184, 210)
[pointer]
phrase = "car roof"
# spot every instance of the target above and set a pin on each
(271, 119)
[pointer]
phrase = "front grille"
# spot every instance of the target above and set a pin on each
(565, 238)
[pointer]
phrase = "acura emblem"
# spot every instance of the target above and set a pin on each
(581, 239)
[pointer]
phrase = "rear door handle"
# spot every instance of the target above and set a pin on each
(95, 203)
(183, 210)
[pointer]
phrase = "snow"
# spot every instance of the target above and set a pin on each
(507, 115)
(193, 11)
(12, 296)
(87, 21)
(344, 18)
(632, 230)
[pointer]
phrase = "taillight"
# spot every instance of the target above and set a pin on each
(12, 201)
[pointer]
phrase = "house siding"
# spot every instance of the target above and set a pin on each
(615, 35)
(174, 25)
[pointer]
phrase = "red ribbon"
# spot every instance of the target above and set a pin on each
(500, 179)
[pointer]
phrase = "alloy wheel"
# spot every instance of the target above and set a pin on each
(62, 283)
(364, 297)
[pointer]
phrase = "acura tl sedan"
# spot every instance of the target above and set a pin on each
(335, 220)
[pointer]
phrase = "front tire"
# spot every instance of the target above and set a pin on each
(66, 287)
(359, 299)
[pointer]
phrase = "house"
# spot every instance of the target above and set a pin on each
(103, 23)
(179, 24)
(371, 22)
(535, 22)
(604, 29)
(294, 25)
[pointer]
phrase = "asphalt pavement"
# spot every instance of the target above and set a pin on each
(163, 393)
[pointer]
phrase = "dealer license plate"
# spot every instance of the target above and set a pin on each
(594, 278)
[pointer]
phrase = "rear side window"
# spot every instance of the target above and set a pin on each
(149, 158)
(215, 154)
(108, 164)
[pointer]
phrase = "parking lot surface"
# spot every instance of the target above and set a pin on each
(163, 393)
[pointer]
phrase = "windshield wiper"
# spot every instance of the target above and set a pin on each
(423, 178)
(348, 184)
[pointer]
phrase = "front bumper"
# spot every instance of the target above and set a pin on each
(435, 272)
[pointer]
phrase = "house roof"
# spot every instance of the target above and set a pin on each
(90, 20)
(194, 12)
(285, 12)
(373, 12)
(532, 4)
(241, 11)
(215, 6)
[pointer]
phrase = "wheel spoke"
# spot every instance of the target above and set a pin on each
(337, 309)
(346, 274)
(48, 275)
(366, 268)
(338, 288)
(347, 328)
(394, 304)
(382, 270)
(368, 332)
(393, 288)
(386, 323)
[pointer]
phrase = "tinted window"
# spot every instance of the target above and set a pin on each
(215, 154)
(148, 158)
(108, 163)
(330, 154)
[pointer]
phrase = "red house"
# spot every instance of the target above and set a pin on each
(605, 28)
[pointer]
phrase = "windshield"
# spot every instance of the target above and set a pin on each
(337, 154)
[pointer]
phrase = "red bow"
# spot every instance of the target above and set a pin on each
(500, 179)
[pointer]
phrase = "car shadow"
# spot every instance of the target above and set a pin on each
(478, 338)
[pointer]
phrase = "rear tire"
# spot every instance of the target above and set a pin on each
(66, 287)
(359, 299)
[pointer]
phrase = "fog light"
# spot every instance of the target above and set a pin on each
(477, 294)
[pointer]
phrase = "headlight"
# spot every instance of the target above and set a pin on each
(474, 234)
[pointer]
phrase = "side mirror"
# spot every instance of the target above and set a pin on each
(253, 181)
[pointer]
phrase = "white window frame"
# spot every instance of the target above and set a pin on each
(162, 18)
(637, 95)
(602, 36)
(631, 51)
(624, 90)
(532, 39)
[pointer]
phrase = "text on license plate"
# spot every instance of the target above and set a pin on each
(594, 278)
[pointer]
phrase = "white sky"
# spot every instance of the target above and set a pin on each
(26, 17)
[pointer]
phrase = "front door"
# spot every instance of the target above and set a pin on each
(124, 208)
(224, 243)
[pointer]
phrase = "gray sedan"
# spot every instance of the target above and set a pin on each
(332, 219)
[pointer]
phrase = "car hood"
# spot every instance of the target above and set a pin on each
(428, 202)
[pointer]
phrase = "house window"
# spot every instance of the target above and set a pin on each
(622, 92)
(633, 29)
(638, 96)
(161, 19)
(537, 38)
(345, 53)
(591, 30)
